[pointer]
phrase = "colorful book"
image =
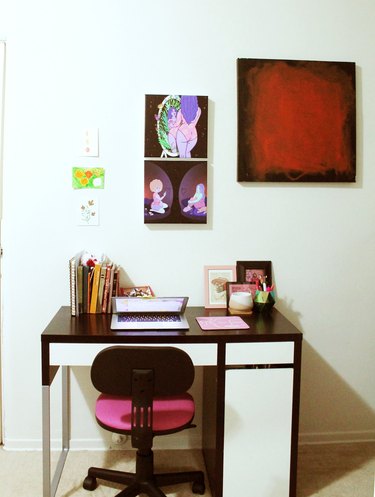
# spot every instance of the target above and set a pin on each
(85, 280)
(99, 303)
(89, 287)
(92, 287)
(116, 282)
(110, 290)
(80, 288)
(73, 281)
(73, 290)
(95, 288)
(107, 282)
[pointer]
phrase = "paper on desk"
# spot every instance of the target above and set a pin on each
(222, 323)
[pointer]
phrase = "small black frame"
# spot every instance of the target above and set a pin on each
(246, 271)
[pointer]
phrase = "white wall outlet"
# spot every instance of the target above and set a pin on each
(119, 439)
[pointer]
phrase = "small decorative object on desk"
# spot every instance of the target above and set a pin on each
(137, 291)
(264, 300)
(239, 298)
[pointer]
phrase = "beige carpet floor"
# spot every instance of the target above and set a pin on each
(342, 470)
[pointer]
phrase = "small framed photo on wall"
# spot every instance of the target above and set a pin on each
(256, 273)
(215, 281)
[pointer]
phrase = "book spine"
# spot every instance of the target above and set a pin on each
(99, 303)
(80, 288)
(89, 287)
(85, 274)
(115, 283)
(95, 288)
(110, 290)
(72, 277)
(92, 288)
(106, 288)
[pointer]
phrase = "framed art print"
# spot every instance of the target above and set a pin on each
(255, 273)
(215, 281)
(176, 126)
(175, 192)
(175, 165)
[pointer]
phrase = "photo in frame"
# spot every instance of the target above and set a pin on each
(255, 273)
(215, 280)
(239, 297)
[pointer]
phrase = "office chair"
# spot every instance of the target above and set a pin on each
(143, 394)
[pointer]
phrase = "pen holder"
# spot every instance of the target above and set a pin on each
(263, 301)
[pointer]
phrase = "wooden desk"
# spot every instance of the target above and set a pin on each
(251, 391)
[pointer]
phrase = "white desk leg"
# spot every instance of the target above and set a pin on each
(46, 445)
(49, 488)
(65, 404)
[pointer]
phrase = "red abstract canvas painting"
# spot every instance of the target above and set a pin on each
(296, 121)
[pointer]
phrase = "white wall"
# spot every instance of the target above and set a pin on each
(76, 64)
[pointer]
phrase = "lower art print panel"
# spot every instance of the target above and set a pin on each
(175, 192)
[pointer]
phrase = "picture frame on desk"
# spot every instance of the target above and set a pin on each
(252, 271)
(215, 280)
(144, 291)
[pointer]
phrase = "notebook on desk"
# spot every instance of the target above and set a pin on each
(157, 313)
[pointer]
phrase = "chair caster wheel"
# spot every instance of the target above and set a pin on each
(89, 483)
(198, 487)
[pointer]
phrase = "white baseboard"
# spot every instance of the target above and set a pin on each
(337, 437)
(17, 444)
(179, 442)
(166, 443)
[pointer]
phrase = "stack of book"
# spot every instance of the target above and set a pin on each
(93, 283)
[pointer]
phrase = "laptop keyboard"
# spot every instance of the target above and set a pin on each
(149, 318)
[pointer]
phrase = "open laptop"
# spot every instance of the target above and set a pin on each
(157, 313)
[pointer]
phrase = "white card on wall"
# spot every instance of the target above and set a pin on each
(87, 210)
(90, 142)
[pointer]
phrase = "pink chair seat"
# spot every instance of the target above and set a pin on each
(115, 412)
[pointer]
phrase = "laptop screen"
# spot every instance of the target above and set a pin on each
(156, 304)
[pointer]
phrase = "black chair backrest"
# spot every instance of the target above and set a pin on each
(112, 369)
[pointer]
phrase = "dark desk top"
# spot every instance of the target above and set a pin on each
(94, 328)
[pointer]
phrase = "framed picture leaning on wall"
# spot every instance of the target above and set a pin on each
(255, 273)
(215, 280)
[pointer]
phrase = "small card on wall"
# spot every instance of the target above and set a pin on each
(87, 210)
(90, 142)
(83, 177)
